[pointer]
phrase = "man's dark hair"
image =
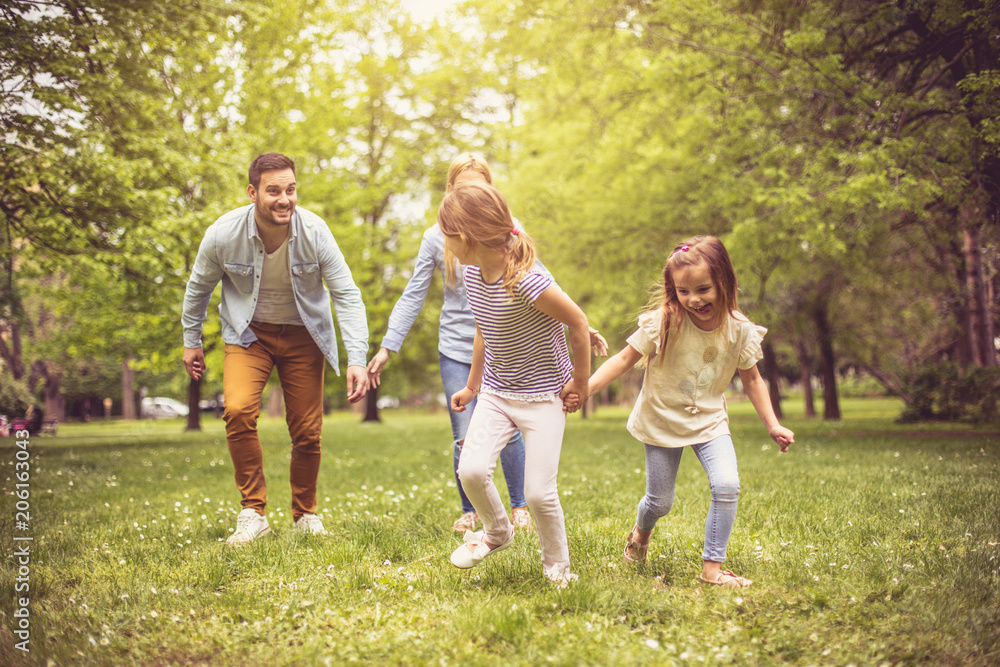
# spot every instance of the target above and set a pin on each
(268, 162)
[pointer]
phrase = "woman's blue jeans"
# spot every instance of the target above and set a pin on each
(454, 376)
(718, 458)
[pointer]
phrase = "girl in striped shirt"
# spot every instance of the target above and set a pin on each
(520, 368)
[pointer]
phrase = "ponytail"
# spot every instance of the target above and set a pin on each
(520, 258)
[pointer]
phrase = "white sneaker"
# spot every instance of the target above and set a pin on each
(310, 523)
(249, 526)
(559, 575)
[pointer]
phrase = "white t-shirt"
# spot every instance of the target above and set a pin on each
(682, 401)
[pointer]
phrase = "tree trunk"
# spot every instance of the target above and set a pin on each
(827, 363)
(371, 406)
(12, 356)
(771, 371)
(275, 402)
(128, 391)
(194, 411)
(980, 340)
(991, 314)
(805, 377)
(55, 402)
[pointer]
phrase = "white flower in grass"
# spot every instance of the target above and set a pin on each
(652, 643)
(154, 614)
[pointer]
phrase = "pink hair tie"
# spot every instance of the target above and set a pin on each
(515, 231)
(685, 248)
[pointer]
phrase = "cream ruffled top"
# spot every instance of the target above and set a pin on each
(681, 402)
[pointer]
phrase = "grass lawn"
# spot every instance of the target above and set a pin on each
(869, 543)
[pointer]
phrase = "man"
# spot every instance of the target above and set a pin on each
(273, 259)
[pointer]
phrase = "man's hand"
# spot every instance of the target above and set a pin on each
(357, 383)
(376, 365)
(194, 362)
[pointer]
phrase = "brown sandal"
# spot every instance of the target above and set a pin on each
(634, 553)
(728, 579)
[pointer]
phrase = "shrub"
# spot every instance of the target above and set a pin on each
(14, 396)
(945, 391)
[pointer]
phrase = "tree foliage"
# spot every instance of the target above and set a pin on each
(847, 152)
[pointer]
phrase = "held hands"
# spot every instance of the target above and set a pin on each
(782, 436)
(572, 392)
(194, 362)
(357, 383)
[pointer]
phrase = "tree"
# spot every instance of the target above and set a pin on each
(377, 106)
(112, 137)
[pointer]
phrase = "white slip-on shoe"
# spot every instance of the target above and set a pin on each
(465, 558)
(249, 526)
(310, 523)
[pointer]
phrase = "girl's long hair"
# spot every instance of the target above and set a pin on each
(688, 253)
(476, 213)
(461, 164)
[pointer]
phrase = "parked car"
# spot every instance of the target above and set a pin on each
(163, 408)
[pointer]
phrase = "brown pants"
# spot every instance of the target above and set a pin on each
(300, 370)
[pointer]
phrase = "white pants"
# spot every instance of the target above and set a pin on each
(542, 425)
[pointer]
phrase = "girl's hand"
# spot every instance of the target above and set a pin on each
(461, 398)
(782, 436)
(574, 387)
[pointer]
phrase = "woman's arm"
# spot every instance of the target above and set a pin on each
(756, 390)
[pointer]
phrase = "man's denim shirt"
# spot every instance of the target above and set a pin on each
(233, 253)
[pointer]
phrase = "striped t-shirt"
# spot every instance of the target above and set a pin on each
(526, 353)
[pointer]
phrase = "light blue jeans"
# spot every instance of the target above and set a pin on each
(454, 376)
(718, 458)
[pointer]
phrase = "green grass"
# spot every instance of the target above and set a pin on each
(869, 543)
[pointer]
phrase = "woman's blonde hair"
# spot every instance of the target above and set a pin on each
(468, 162)
(477, 214)
(461, 164)
(685, 254)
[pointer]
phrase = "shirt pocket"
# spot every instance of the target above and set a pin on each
(241, 275)
(307, 276)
